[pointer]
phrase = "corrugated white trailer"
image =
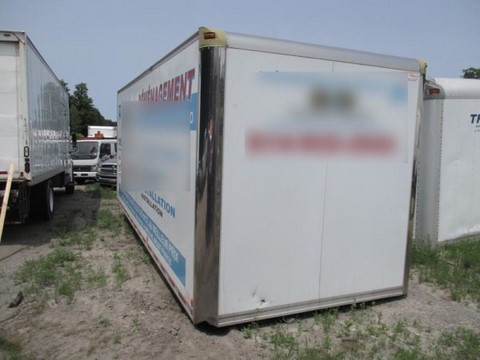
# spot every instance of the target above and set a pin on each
(34, 130)
(271, 177)
(448, 205)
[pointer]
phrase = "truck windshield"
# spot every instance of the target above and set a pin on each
(85, 150)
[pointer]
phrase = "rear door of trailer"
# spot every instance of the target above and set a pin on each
(303, 220)
(11, 80)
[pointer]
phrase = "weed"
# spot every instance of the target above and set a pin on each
(128, 228)
(97, 278)
(284, 345)
(400, 329)
(250, 330)
(312, 353)
(120, 271)
(117, 338)
(136, 323)
(103, 322)
(454, 267)
(67, 286)
(327, 344)
(327, 319)
(109, 221)
(407, 354)
(146, 258)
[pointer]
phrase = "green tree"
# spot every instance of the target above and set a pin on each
(88, 114)
(74, 117)
(65, 86)
(82, 110)
(75, 121)
(80, 97)
(471, 73)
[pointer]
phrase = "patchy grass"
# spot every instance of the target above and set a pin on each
(58, 270)
(360, 333)
(64, 271)
(119, 270)
(107, 192)
(103, 192)
(97, 279)
(109, 221)
(459, 344)
(82, 239)
(117, 338)
(104, 322)
(454, 267)
(10, 350)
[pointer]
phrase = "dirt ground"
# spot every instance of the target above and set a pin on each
(140, 318)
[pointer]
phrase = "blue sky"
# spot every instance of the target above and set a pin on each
(106, 43)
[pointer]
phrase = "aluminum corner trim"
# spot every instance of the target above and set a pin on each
(209, 185)
(212, 37)
(413, 189)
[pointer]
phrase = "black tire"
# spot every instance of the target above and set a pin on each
(70, 188)
(42, 200)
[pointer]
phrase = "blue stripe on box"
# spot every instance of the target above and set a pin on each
(169, 252)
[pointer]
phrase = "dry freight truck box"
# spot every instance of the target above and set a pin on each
(271, 177)
(448, 204)
(34, 130)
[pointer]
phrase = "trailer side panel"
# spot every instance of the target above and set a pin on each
(157, 128)
(48, 119)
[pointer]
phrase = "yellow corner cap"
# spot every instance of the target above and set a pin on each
(423, 66)
(212, 37)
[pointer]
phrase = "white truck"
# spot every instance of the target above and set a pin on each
(90, 152)
(102, 131)
(35, 130)
(448, 205)
(271, 177)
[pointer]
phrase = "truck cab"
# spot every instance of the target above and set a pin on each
(89, 154)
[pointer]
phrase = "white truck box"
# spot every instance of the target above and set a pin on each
(35, 130)
(102, 131)
(271, 177)
(448, 205)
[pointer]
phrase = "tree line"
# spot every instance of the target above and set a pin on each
(471, 73)
(82, 110)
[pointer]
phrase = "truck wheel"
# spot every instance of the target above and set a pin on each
(42, 200)
(70, 188)
(48, 203)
